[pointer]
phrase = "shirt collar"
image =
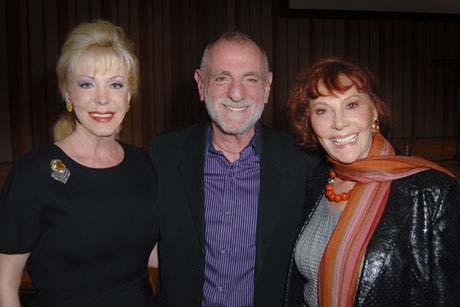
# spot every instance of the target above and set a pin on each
(255, 143)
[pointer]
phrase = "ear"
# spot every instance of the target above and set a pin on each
(200, 83)
(268, 84)
(66, 96)
(375, 115)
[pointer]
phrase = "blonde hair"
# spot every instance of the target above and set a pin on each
(99, 39)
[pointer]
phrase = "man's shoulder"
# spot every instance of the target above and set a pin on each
(179, 136)
(169, 142)
(271, 135)
(281, 142)
(282, 146)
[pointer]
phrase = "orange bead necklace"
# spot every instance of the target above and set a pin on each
(330, 194)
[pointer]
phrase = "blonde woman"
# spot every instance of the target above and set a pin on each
(80, 214)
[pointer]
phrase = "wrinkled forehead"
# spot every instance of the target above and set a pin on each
(245, 53)
(98, 61)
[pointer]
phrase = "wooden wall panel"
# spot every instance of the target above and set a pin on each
(410, 57)
(37, 73)
(19, 77)
(53, 100)
(279, 65)
(5, 129)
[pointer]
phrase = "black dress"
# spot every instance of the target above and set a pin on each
(89, 238)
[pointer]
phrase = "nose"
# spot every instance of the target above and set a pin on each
(102, 96)
(237, 91)
(338, 122)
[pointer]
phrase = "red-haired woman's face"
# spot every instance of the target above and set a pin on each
(343, 122)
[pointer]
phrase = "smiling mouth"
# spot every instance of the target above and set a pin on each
(102, 116)
(236, 109)
(345, 140)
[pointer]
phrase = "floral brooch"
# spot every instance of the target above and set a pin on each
(60, 172)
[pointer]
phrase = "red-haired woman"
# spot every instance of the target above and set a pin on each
(380, 229)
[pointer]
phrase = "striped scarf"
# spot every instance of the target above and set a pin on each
(344, 253)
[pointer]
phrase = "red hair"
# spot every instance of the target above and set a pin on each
(328, 71)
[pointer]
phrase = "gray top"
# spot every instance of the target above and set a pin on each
(311, 245)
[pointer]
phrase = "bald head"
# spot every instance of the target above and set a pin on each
(236, 38)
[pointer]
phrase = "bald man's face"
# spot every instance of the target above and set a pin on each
(234, 86)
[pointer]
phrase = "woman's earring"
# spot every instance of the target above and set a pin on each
(69, 106)
(375, 127)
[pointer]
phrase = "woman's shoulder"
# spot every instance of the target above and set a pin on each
(431, 186)
(136, 157)
(29, 170)
(130, 148)
(428, 179)
(37, 160)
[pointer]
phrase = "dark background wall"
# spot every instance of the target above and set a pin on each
(413, 57)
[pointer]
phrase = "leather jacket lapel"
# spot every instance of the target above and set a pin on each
(381, 245)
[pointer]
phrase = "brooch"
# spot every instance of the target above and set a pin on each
(60, 172)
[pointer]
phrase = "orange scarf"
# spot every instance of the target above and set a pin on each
(341, 261)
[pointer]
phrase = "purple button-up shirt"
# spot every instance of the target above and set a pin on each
(231, 198)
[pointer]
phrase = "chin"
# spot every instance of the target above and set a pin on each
(234, 127)
(345, 159)
(105, 133)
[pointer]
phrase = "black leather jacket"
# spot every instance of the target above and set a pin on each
(413, 256)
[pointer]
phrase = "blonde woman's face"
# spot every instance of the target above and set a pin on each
(100, 95)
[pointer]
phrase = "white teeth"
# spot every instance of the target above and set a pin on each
(346, 140)
(236, 109)
(106, 115)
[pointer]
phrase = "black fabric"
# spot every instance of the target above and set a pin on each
(413, 256)
(89, 238)
(178, 158)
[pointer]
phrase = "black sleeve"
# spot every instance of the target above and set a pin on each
(19, 213)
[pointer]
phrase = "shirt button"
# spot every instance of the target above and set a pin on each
(227, 212)
(223, 251)
(220, 288)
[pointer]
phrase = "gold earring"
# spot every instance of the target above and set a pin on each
(375, 127)
(69, 106)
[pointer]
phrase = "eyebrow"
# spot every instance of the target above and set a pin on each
(92, 77)
(84, 76)
(353, 96)
(315, 103)
(227, 73)
(117, 76)
(221, 72)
